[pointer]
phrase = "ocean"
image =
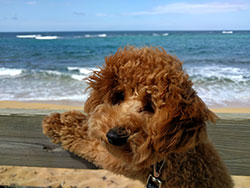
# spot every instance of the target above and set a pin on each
(51, 66)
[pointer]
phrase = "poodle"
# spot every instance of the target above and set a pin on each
(143, 120)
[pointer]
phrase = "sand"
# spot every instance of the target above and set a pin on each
(64, 105)
(37, 106)
(72, 178)
(68, 178)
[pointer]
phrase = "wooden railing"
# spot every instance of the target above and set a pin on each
(22, 143)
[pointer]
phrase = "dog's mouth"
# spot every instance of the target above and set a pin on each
(117, 136)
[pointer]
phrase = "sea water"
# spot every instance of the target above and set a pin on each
(51, 66)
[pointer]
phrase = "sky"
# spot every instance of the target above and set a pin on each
(116, 15)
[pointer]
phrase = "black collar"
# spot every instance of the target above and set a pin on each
(154, 180)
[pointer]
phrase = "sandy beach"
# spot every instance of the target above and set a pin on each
(55, 177)
(38, 106)
(68, 178)
(64, 105)
(72, 178)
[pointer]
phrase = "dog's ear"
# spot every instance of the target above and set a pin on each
(94, 100)
(101, 85)
(182, 128)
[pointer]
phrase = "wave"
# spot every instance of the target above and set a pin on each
(46, 97)
(38, 37)
(88, 36)
(222, 95)
(82, 70)
(78, 77)
(43, 74)
(41, 85)
(79, 98)
(46, 37)
(103, 35)
(227, 32)
(27, 36)
(218, 74)
(49, 72)
(158, 34)
(61, 75)
(221, 85)
(10, 72)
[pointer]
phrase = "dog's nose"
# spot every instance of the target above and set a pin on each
(117, 136)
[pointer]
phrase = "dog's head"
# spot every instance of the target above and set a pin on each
(142, 106)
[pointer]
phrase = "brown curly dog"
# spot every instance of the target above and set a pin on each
(143, 120)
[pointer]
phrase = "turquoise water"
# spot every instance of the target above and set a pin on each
(50, 66)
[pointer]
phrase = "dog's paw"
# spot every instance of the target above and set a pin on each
(73, 118)
(68, 124)
(51, 127)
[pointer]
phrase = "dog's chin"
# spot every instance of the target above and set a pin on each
(129, 153)
(122, 152)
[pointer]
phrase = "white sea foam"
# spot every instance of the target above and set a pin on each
(220, 85)
(227, 32)
(87, 70)
(89, 36)
(10, 72)
(38, 37)
(78, 77)
(27, 36)
(73, 68)
(103, 35)
(50, 72)
(82, 70)
(46, 37)
(165, 34)
(223, 95)
(220, 73)
(77, 98)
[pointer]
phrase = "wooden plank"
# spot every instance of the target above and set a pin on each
(231, 138)
(22, 143)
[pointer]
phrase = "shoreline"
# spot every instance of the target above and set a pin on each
(39, 105)
(68, 105)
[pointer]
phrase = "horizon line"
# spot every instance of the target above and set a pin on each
(177, 30)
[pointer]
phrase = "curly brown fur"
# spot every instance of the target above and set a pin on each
(146, 92)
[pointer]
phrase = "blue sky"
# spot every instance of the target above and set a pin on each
(92, 15)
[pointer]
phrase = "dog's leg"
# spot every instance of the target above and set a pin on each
(71, 130)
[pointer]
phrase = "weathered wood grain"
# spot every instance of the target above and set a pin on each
(22, 143)
(231, 138)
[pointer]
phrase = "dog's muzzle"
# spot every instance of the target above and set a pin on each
(117, 136)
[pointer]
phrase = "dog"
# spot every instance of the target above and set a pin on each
(143, 120)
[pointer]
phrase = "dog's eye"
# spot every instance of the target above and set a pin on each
(149, 107)
(117, 97)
